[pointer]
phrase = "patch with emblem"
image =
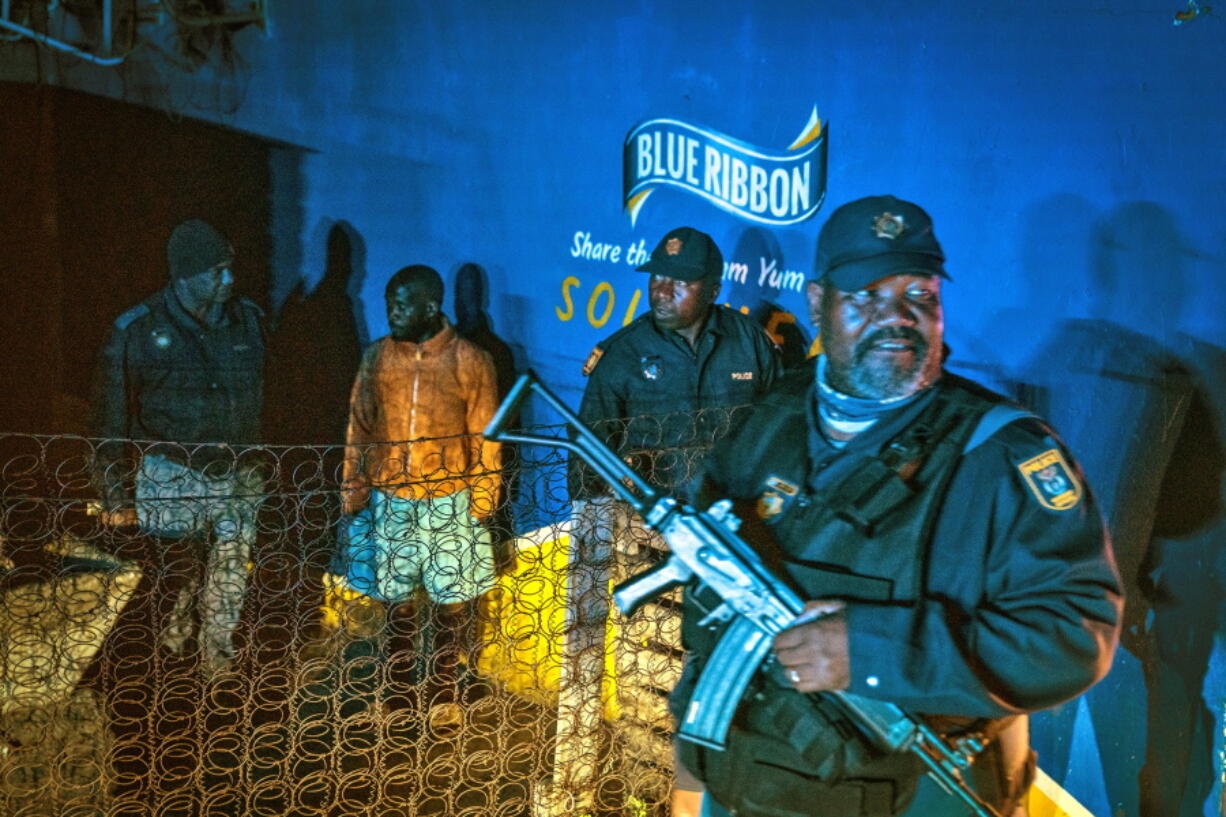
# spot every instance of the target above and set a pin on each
(742, 375)
(888, 225)
(673, 246)
(772, 501)
(592, 360)
(161, 338)
(1051, 480)
(651, 367)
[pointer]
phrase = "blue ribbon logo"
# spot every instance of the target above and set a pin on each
(755, 184)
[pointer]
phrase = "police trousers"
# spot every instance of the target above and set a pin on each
(219, 510)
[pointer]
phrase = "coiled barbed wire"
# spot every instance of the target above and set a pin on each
(118, 697)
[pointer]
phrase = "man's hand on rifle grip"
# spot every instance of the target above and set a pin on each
(813, 654)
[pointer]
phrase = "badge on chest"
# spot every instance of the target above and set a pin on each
(777, 494)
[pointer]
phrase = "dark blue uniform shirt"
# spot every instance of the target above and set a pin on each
(165, 376)
(662, 403)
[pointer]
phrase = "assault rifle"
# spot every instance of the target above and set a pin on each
(755, 604)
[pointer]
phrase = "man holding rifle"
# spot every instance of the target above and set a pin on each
(953, 561)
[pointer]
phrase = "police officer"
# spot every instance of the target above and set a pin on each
(955, 560)
(649, 382)
(185, 369)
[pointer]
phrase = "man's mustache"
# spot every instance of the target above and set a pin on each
(891, 333)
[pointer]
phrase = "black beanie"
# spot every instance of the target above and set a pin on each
(194, 247)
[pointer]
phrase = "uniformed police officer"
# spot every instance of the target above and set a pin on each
(956, 561)
(660, 392)
(649, 383)
(185, 369)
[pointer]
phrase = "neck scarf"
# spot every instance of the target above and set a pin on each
(852, 415)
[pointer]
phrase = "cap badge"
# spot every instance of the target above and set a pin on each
(673, 246)
(161, 338)
(888, 225)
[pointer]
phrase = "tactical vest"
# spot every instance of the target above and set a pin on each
(863, 535)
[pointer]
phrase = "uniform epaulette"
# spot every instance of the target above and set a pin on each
(128, 318)
(599, 349)
(259, 311)
(625, 330)
(996, 418)
(769, 337)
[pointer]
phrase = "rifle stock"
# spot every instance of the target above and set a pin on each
(621, 478)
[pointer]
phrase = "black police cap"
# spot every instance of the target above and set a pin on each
(875, 237)
(685, 254)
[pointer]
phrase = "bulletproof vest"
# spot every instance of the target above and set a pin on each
(854, 525)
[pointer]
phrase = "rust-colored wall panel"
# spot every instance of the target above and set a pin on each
(30, 275)
(91, 189)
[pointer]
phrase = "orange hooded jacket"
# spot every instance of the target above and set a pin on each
(416, 414)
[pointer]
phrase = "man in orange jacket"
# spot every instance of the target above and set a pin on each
(419, 478)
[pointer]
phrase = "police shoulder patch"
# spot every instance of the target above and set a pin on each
(1051, 480)
(592, 360)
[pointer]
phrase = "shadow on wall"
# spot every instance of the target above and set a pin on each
(1138, 408)
(472, 321)
(314, 351)
(759, 256)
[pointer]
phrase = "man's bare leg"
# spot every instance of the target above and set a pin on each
(455, 627)
(401, 650)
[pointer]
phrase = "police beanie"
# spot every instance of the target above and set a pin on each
(194, 247)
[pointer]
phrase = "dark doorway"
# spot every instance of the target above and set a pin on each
(89, 191)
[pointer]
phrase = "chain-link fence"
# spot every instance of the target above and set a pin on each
(218, 637)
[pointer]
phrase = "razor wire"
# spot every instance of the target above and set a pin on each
(243, 646)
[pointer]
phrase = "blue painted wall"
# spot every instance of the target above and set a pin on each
(1070, 153)
(1048, 142)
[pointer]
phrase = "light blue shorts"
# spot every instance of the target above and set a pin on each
(396, 546)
